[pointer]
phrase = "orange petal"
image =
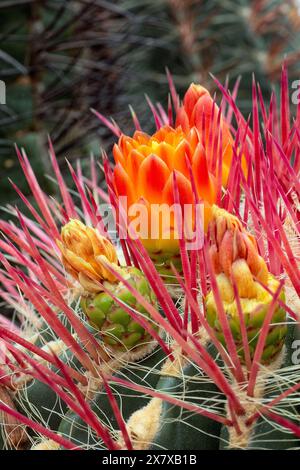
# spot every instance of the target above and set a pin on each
(77, 263)
(166, 152)
(214, 256)
(192, 96)
(184, 189)
(152, 177)
(162, 134)
(182, 119)
(134, 162)
(227, 144)
(225, 253)
(124, 186)
(203, 179)
(180, 158)
(144, 150)
(193, 138)
(123, 142)
(118, 155)
(204, 110)
(141, 137)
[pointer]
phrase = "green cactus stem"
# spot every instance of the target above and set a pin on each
(254, 312)
(118, 329)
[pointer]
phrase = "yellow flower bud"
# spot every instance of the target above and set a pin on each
(85, 253)
(244, 279)
(225, 288)
(234, 252)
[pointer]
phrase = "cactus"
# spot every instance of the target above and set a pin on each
(195, 38)
(194, 378)
(44, 41)
(53, 59)
(85, 254)
(118, 328)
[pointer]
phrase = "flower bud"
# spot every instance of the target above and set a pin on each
(236, 262)
(85, 254)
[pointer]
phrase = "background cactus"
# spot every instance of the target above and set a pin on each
(190, 381)
(57, 63)
(195, 38)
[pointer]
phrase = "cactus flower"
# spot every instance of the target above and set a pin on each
(234, 254)
(144, 171)
(200, 111)
(145, 167)
(84, 254)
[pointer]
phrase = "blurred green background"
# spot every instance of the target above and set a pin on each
(59, 58)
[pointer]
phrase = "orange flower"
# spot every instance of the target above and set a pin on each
(200, 111)
(145, 166)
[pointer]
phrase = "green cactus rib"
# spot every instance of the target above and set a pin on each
(163, 261)
(144, 372)
(265, 435)
(181, 429)
(254, 312)
(39, 401)
(117, 327)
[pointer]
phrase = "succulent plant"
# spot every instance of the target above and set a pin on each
(191, 388)
(55, 54)
(118, 328)
(88, 257)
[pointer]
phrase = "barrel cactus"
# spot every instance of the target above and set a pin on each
(105, 357)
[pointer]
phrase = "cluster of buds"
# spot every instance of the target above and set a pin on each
(235, 258)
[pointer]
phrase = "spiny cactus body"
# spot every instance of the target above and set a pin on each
(191, 385)
(117, 327)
